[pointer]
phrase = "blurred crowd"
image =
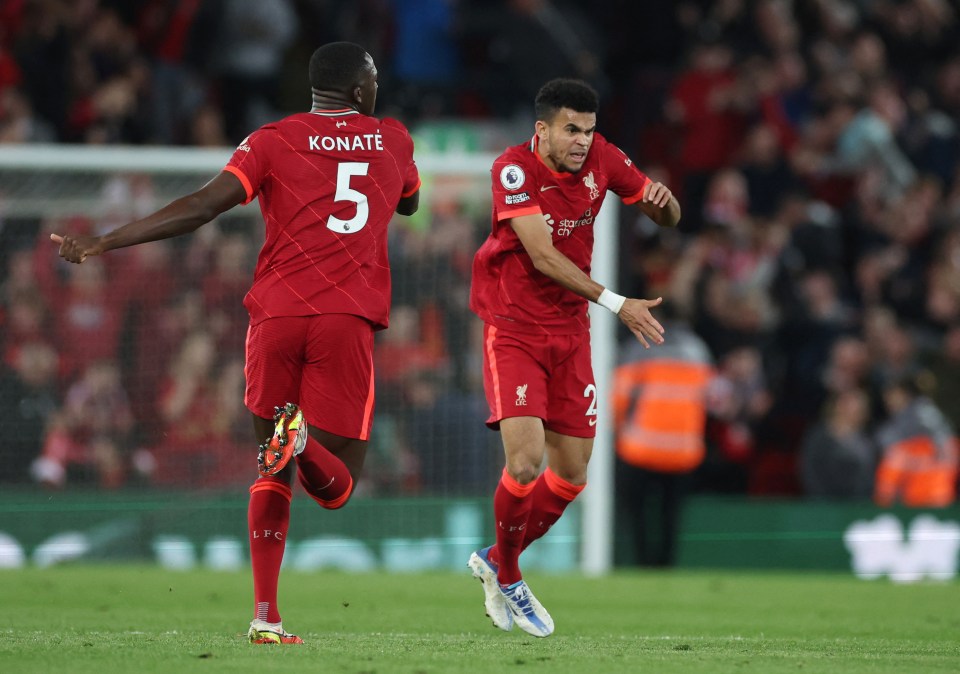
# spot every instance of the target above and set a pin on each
(127, 370)
(813, 144)
(815, 148)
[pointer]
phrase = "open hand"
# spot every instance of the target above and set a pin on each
(636, 315)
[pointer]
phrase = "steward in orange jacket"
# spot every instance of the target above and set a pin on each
(918, 467)
(659, 403)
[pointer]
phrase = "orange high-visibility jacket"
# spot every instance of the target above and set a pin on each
(919, 464)
(659, 403)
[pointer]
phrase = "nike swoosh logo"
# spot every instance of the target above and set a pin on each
(328, 483)
(544, 188)
(592, 422)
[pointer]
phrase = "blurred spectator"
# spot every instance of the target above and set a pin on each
(915, 31)
(437, 418)
(706, 108)
(432, 271)
(207, 127)
(408, 372)
(158, 335)
(895, 357)
(122, 197)
(224, 287)
(110, 84)
(532, 41)
(738, 400)
(807, 337)
(425, 58)
(838, 457)
(28, 392)
(659, 401)
(401, 351)
(42, 47)
(867, 140)
(10, 75)
(868, 57)
(87, 442)
(791, 95)
(21, 277)
(918, 467)
(848, 366)
(24, 315)
(27, 321)
(765, 168)
(87, 315)
(175, 35)
(731, 263)
(148, 290)
(943, 364)
(18, 123)
(931, 138)
(942, 301)
(199, 409)
(251, 39)
(908, 225)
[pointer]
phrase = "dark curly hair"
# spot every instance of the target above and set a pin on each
(576, 95)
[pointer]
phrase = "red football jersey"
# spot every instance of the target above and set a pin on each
(328, 182)
(507, 291)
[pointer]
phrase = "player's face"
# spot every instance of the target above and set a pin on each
(566, 139)
(368, 88)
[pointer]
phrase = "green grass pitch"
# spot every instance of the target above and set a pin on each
(140, 620)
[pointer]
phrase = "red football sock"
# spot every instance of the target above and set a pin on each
(551, 496)
(511, 509)
(268, 516)
(323, 475)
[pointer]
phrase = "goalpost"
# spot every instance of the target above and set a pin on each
(45, 181)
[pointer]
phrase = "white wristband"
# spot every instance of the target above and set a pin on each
(611, 301)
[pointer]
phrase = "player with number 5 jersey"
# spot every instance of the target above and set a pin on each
(328, 182)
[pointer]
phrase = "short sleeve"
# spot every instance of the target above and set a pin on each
(408, 169)
(249, 162)
(514, 193)
(626, 180)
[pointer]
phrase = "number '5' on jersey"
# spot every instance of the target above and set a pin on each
(328, 183)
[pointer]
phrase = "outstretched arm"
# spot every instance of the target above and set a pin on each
(178, 217)
(659, 204)
(634, 313)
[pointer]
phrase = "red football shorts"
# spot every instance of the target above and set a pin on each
(322, 363)
(546, 376)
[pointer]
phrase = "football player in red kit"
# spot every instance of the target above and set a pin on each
(531, 285)
(328, 183)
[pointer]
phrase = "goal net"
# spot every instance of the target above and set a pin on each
(124, 375)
